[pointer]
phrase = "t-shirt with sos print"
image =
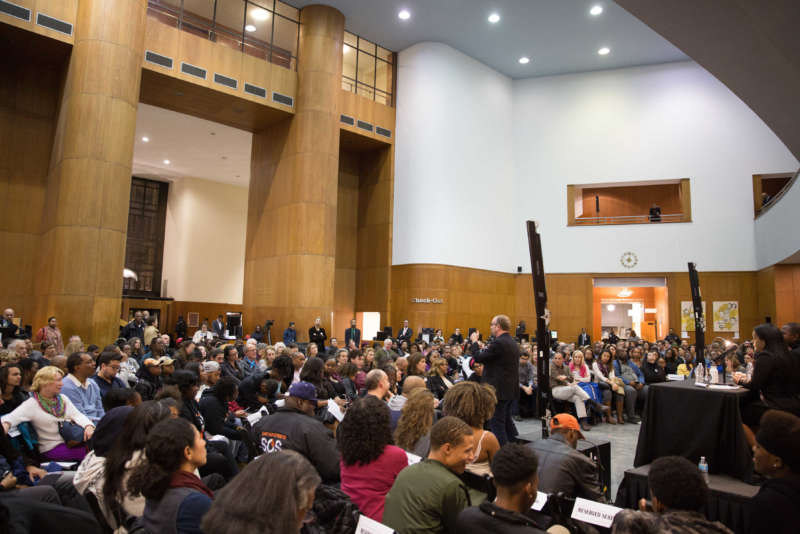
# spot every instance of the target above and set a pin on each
(291, 429)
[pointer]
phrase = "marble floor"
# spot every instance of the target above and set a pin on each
(623, 440)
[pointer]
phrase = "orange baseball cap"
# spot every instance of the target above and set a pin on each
(567, 421)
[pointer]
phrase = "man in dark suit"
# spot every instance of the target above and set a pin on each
(584, 339)
(218, 327)
(352, 334)
(316, 334)
(8, 328)
(405, 333)
(500, 361)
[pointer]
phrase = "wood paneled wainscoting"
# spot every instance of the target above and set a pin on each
(471, 297)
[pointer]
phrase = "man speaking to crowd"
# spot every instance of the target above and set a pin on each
(500, 361)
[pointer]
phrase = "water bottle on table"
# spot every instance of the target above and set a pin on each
(703, 467)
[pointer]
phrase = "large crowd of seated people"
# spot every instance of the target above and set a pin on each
(205, 434)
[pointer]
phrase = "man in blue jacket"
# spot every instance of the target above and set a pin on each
(635, 387)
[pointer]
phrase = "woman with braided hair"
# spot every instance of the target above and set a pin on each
(474, 404)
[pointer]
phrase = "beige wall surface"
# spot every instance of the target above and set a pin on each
(204, 241)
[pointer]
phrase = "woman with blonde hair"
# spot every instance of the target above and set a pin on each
(47, 410)
(474, 404)
(438, 382)
(414, 427)
(611, 386)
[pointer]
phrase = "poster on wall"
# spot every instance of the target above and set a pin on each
(193, 319)
(687, 315)
(726, 316)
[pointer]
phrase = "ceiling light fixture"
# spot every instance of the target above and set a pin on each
(611, 307)
(259, 14)
(250, 28)
(625, 293)
(145, 139)
(596, 10)
(494, 18)
(604, 51)
(166, 162)
(404, 14)
(524, 60)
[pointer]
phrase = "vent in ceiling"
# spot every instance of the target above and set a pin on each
(158, 59)
(383, 131)
(226, 81)
(191, 70)
(282, 99)
(347, 120)
(365, 126)
(13, 10)
(255, 90)
(53, 24)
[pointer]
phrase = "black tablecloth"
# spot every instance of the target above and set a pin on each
(682, 419)
(727, 501)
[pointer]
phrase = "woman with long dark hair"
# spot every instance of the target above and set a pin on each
(176, 499)
(286, 483)
(283, 371)
(125, 454)
(11, 388)
(775, 382)
(370, 462)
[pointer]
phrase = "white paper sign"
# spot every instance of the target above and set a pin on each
(254, 418)
(280, 403)
(413, 458)
(541, 500)
(335, 411)
(594, 513)
(370, 526)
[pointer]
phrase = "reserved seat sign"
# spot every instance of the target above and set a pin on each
(370, 526)
(594, 513)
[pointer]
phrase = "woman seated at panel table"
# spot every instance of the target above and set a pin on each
(775, 382)
(45, 409)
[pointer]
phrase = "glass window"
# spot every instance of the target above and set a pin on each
(351, 40)
(349, 62)
(230, 18)
(365, 90)
(383, 77)
(165, 11)
(258, 31)
(366, 68)
(285, 37)
(384, 54)
(366, 46)
(144, 247)
(287, 11)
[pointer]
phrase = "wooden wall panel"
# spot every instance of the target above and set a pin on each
(634, 200)
(472, 296)
(765, 283)
(66, 10)
(344, 291)
(787, 294)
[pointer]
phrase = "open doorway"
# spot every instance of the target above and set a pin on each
(625, 305)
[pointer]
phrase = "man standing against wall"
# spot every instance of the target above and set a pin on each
(352, 334)
(500, 361)
(316, 334)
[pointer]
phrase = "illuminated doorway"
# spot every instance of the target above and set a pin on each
(624, 304)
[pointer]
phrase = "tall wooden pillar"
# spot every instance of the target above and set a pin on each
(80, 256)
(291, 221)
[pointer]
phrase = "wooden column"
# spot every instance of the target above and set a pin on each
(291, 220)
(81, 250)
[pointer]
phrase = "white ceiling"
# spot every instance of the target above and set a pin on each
(195, 147)
(559, 36)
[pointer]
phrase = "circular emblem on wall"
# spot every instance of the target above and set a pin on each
(629, 260)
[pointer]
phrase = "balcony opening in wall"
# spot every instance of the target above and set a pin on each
(641, 202)
(768, 189)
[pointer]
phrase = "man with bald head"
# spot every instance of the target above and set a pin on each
(396, 403)
(7, 327)
(377, 384)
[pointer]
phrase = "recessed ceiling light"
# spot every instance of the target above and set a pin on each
(524, 60)
(345, 48)
(494, 18)
(611, 307)
(250, 28)
(166, 162)
(604, 51)
(404, 14)
(259, 14)
(596, 10)
(145, 139)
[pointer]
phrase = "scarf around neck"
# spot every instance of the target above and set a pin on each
(183, 479)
